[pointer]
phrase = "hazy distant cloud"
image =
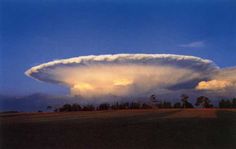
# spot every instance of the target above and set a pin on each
(195, 44)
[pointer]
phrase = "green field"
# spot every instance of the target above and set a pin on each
(121, 129)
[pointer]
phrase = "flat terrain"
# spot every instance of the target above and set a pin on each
(123, 129)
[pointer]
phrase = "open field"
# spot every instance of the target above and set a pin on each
(126, 129)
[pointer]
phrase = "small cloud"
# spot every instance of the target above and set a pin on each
(214, 85)
(195, 44)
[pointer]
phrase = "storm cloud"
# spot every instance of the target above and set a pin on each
(134, 74)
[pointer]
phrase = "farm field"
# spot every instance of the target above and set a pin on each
(120, 129)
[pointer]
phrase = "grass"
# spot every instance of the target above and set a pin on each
(124, 129)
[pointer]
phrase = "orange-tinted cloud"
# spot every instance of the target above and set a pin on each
(224, 80)
(214, 85)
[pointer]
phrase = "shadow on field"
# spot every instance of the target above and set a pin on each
(152, 130)
(226, 129)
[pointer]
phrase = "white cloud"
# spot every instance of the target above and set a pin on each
(125, 74)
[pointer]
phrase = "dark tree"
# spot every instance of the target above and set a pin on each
(184, 97)
(185, 103)
(177, 105)
(155, 102)
(76, 107)
(166, 105)
(221, 103)
(204, 102)
(49, 107)
(225, 104)
(104, 106)
(234, 103)
(146, 106)
(115, 106)
(124, 105)
(88, 108)
(228, 104)
(153, 99)
(134, 105)
(65, 108)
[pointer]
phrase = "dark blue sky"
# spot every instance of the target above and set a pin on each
(33, 32)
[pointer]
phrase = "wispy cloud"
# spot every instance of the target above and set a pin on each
(195, 44)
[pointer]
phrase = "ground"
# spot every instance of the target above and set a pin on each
(122, 129)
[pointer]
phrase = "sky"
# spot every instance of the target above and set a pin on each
(39, 31)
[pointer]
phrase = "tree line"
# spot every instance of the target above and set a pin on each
(154, 102)
(227, 103)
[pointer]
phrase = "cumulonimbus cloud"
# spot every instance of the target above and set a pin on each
(129, 74)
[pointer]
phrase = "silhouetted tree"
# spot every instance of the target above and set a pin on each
(153, 99)
(146, 106)
(228, 104)
(155, 102)
(134, 105)
(124, 105)
(177, 105)
(115, 106)
(234, 103)
(166, 105)
(49, 107)
(65, 108)
(76, 107)
(225, 104)
(221, 103)
(185, 103)
(204, 102)
(88, 108)
(104, 106)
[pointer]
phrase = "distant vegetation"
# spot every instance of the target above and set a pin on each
(8, 112)
(201, 102)
(227, 103)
